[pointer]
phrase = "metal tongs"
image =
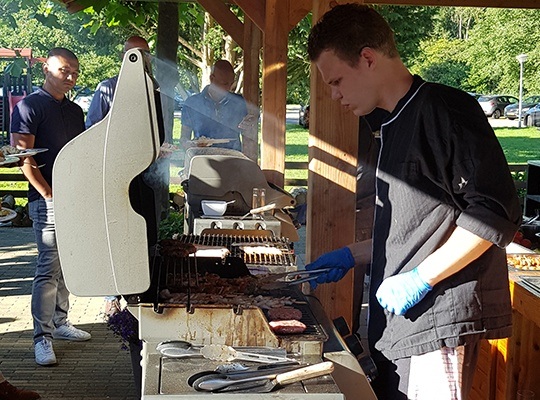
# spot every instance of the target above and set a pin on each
(259, 210)
(285, 279)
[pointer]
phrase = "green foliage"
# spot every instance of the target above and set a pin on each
(442, 61)
(298, 65)
(411, 24)
(174, 223)
(495, 41)
(42, 25)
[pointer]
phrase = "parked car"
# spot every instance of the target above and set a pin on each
(475, 95)
(532, 116)
(493, 105)
(511, 111)
(303, 119)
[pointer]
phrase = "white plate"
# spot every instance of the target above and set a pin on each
(11, 214)
(9, 160)
(29, 152)
(207, 142)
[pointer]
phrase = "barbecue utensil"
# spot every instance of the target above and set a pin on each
(222, 352)
(263, 384)
(297, 375)
(259, 210)
(273, 281)
(245, 372)
(178, 349)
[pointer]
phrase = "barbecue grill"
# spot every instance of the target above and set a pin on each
(106, 235)
(225, 174)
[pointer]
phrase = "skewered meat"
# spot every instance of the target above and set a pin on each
(290, 326)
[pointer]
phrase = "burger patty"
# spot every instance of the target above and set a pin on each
(176, 248)
(284, 313)
(287, 327)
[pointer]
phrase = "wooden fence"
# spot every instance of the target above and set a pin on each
(519, 172)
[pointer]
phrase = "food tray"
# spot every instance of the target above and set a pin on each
(524, 262)
(7, 214)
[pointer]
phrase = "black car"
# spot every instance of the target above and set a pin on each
(532, 116)
(511, 111)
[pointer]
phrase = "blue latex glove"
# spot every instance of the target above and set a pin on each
(341, 260)
(400, 292)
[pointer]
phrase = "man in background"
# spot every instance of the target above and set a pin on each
(48, 119)
(216, 112)
(103, 96)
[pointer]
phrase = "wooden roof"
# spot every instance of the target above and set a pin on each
(17, 52)
(333, 140)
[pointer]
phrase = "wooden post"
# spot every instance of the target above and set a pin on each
(333, 146)
(274, 90)
(252, 47)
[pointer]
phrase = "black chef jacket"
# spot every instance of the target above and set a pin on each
(441, 166)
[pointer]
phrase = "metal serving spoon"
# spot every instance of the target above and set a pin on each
(178, 349)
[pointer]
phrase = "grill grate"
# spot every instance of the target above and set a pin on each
(234, 244)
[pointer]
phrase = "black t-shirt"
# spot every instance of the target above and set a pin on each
(52, 122)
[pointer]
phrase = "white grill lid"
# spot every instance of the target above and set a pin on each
(101, 240)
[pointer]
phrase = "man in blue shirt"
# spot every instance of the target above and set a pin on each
(48, 119)
(103, 96)
(216, 113)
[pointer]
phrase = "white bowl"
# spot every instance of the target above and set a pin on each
(214, 208)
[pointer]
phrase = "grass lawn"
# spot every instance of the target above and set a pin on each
(519, 145)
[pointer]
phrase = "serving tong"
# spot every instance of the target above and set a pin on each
(285, 279)
(218, 352)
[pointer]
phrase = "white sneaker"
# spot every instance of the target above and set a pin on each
(69, 332)
(44, 352)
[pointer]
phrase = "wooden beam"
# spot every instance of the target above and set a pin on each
(256, 14)
(298, 10)
(252, 47)
(463, 3)
(274, 90)
(333, 147)
(226, 18)
(255, 10)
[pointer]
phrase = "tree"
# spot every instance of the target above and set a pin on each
(442, 61)
(495, 41)
(42, 25)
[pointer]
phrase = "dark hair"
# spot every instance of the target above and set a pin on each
(347, 29)
(62, 52)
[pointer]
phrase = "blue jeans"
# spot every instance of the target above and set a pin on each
(50, 297)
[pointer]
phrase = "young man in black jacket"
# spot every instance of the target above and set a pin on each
(445, 208)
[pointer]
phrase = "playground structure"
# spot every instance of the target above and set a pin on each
(16, 83)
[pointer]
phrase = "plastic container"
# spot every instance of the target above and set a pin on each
(214, 208)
